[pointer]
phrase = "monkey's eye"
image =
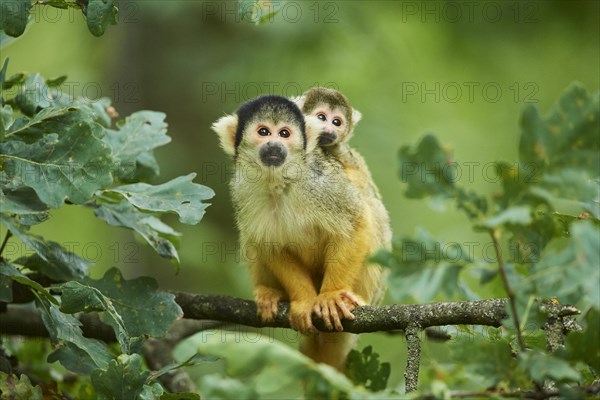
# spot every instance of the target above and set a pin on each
(263, 132)
(337, 122)
(322, 117)
(284, 133)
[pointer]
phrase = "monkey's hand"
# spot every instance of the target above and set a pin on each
(301, 317)
(335, 305)
(266, 299)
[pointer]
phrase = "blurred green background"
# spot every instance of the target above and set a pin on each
(462, 70)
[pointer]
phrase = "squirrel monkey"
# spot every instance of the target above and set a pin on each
(306, 229)
(338, 119)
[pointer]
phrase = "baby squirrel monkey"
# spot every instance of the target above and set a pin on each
(306, 228)
(339, 119)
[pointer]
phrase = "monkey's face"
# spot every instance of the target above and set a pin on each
(336, 115)
(268, 130)
(272, 142)
(335, 124)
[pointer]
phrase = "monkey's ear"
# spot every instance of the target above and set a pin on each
(299, 100)
(226, 128)
(314, 127)
(356, 116)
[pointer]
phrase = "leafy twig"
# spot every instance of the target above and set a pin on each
(495, 233)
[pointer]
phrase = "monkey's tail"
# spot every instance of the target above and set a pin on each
(372, 285)
(329, 348)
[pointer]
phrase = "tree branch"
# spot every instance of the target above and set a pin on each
(22, 320)
(559, 323)
(413, 344)
(368, 318)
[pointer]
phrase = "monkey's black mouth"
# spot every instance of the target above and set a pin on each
(272, 155)
(327, 138)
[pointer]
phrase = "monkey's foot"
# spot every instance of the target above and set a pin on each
(266, 299)
(335, 305)
(301, 317)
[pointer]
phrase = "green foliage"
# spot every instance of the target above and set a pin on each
(423, 268)
(14, 14)
(57, 168)
(566, 137)
(546, 216)
(59, 151)
(175, 396)
(80, 353)
(132, 144)
(555, 180)
(219, 387)
(518, 215)
(490, 360)
(579, 346)
(571, 273)
(129, 306)
(364, 368)
(426, 168)
(542, 366)
(157, 234)
(179, 195)
(193, 360)
(263, 368)
(63, 150)
(50, 258)
(12, 273)
(100, 14)
(13, 388)
(123, 379)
